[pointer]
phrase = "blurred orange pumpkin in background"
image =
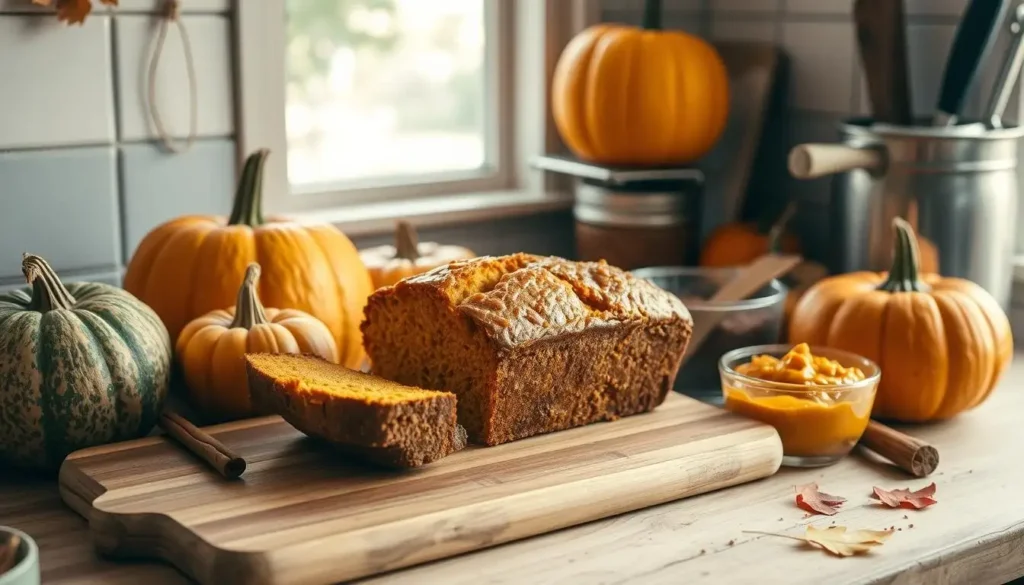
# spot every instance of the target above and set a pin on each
(626, 95)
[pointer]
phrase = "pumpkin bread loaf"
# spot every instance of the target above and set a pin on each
(364, 415)
(529, 344)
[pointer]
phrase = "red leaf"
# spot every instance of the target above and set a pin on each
(809, 498)
(905, 498)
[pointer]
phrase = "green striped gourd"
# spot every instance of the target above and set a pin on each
(80, 365)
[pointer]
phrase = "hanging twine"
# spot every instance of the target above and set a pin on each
(172, 15)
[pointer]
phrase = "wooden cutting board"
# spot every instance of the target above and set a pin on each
(301, 515)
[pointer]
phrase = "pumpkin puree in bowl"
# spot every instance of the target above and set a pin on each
(825, 418)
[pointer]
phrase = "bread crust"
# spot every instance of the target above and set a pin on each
(564, 343)
(402, 434)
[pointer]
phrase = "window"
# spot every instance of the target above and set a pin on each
(391, 91)
(369, 101)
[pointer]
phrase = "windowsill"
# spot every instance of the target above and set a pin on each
(367, 219)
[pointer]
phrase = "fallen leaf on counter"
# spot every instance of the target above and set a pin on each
(810, 499)
(905, 498)
(836, 540)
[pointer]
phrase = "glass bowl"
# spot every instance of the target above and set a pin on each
(818, 424)
(752, 321)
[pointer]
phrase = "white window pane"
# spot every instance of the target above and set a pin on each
(385, 89)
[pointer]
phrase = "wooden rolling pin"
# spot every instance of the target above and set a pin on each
(914, 456)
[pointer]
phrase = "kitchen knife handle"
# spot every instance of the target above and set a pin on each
(1007, 73)
(973, 39)
(881, 43)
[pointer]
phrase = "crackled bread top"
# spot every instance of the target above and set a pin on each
(521, 298)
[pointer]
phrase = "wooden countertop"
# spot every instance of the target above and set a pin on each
(974, 534)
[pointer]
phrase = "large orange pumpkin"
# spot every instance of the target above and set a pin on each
(639, 96)
(192, 265)
(942, 343)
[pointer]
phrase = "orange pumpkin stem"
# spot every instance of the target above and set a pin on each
(652, 15)
(778, 228)
(904, 276)
(249, 310)
(48, 292)
(406, 242)
(248, 206)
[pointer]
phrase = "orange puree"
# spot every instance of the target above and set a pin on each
(812, 422)
(798, 366)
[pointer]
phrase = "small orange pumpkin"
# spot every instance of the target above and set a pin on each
(191, 265)
(625, 95)
(739, 244)
(211, 349)
(942, 343)
(389, 264)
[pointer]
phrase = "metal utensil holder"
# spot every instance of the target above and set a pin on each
(956, 185)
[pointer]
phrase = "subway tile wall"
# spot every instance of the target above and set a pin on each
(826, 81)
(82, 176)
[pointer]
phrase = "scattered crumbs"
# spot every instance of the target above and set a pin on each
(702, 551)
(780, 518)
(970, 471)
(732, 542)
(807, 515)
(899, 530)
(910, 526)
(905, 517)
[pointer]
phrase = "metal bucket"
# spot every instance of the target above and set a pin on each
(957, 186)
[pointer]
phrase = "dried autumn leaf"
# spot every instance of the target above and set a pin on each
(837, 540)
(73, 11)
(905, 498)
(810, 499)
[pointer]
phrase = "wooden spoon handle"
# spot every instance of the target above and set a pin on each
(751, 278)
(811, 161)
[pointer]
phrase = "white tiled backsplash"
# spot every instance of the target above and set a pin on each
(78, 165)
(75, 105)
(210, 36)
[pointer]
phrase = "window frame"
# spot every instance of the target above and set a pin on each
(525, 127)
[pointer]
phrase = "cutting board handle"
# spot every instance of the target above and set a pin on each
(811, 161)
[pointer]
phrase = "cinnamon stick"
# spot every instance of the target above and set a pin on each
(200, 443)
(912, 455)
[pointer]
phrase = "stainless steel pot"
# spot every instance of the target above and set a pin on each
(956, 185)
